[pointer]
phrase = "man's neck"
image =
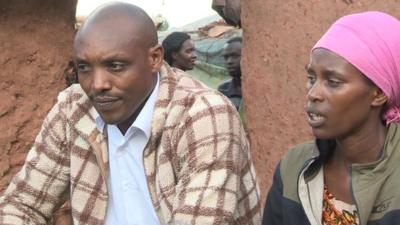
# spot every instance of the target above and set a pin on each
(237, 81)
(124, 126)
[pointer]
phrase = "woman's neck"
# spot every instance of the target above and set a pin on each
(362, 147)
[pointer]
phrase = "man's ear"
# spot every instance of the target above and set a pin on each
(156, 57)
(379, 98)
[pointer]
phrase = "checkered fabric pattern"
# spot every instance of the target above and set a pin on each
(197, 161)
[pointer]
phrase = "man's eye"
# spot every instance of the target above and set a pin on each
(236, 56)
(116, 66)
(82, 68)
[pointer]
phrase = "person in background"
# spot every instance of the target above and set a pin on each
(135, 142)
(232, 55)
(350, 174)
(180, 51)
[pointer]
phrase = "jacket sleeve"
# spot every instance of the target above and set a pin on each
(273, 214)
(36, 189)
(216, 180)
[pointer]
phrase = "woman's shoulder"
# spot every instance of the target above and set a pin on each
(302, 151)
(296, 158)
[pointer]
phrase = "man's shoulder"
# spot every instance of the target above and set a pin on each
(200, 94)
(181, 98)
(74, 99)
(188, 83)
(72, 93)
(224, 86)
(184, 86)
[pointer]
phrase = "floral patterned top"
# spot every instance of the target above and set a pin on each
(336, 212)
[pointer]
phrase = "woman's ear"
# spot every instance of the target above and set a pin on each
(174, 56)
(379, 98)
(156, 57)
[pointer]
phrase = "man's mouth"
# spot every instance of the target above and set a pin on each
(231, 69)
(104, 103)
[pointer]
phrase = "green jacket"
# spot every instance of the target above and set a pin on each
(296, 194)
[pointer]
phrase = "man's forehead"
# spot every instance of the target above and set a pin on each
(232, 47)
(116, 25)
(235, 44)
(117, 11)
(109, 25)
(106, 32)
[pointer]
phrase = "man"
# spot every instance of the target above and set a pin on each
(232, 54)
(136, 142)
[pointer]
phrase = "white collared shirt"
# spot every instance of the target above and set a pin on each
(129, 198)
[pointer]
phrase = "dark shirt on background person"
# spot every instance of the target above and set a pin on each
(230, 90)
(232, 55)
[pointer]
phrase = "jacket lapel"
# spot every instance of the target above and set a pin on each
(97, 141)
(157, 125)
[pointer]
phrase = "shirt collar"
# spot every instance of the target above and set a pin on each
(143, 120)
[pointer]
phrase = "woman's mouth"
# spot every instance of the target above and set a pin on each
(315, 119)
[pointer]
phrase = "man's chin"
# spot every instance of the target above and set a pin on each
(234, 73)
(109, 119)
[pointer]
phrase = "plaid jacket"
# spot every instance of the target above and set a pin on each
(197, 161)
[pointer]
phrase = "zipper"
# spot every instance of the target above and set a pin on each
(302, 170)
(353, 196)
(305, 167)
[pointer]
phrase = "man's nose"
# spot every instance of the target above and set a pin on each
(101, 80)
(229, 60)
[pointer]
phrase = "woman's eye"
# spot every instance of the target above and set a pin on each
(333, 83)
(189, 51)
(310, 79)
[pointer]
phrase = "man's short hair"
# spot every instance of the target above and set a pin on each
(173, 43)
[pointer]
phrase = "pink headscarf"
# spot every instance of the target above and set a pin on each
(370, 41)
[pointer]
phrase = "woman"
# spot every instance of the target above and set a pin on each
(350, 174)
(179, 51)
